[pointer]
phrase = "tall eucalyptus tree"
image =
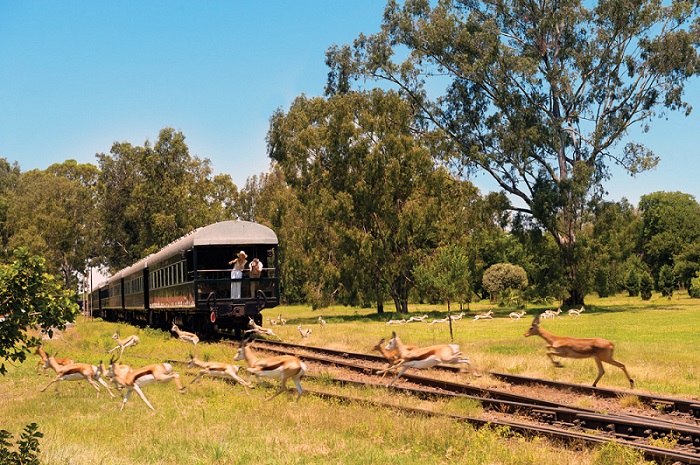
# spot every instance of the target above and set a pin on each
(541, 95)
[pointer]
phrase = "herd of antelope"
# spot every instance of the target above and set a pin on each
(399, 358)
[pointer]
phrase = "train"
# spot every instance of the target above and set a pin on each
(188, 283)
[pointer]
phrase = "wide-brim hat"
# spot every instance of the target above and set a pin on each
(245, 255)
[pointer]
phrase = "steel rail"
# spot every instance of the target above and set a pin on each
(621, 426)
(660, 403)
(658, 454)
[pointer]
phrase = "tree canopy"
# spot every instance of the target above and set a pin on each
(539, 95)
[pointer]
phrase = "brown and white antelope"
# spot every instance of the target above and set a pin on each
(44, 362)
(304, 332)
(217, 370)
(572, 347)
(124, 343)
(576, 313)
(418, 318)
(192, 338)
(515, 316)
(254, 328)
(402, 321)
(484, 316)
(77, 372)
(136, 379)
(439, 320)
(425, 357)
(283, 367)
(321, 321)
(392, 356)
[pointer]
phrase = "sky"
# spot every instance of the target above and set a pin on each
(78, 76)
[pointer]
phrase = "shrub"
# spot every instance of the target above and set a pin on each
(632, 283)
(667, 281)
(694, 289)
(503, 277)
(27, 445)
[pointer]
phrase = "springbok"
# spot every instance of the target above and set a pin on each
(304, 332)
(402, 321)
(426, 357)
(254, 328)
(44, 363)
(185, 336)
(576, 313)
(321, 321)
(77, 372)
(571, 347)
(217, 369)
(124, 343)
(418, 318)
(391, 356)
(283, 367)
(484, 316)
(551, 314)
(136, 379)
(515, 316)
(440, 320)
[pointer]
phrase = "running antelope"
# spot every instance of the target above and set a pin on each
(44, 363)
(254, 328)
(484, 316)
(304, 332)
(426, 357)
(124, 343)
(136, 379)
(77, 372)
(576, 313)
(283, 367)
(571, 347)
(391, 356)
(516, 316)
(418, 318)
(217, 369)
(185, 336)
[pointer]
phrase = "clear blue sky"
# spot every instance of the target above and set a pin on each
(76, 76)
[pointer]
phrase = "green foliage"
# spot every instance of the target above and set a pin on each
(646, 285)
(27, 447)
(632, 282)
(519, 77)
(502, 278)
(29, 295)
(446, 274)
(694, 290)
(667, 281)
(614, 453)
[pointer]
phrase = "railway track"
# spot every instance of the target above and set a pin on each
(545, 417)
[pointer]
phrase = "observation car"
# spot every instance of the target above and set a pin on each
(188, 282)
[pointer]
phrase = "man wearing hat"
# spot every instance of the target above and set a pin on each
(237, 273)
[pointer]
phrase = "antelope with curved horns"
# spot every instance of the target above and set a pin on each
(76, 372)
(217, 369)
(136, 379)
(426, 357)
(392, 356)
(576, 313)
(185, 336)
(44, 362)
(283, 367)
(124, 343)
(571, 347)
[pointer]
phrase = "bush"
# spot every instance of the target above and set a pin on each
(667, 281)
(503, 277)
(694, 289)
(632, 283)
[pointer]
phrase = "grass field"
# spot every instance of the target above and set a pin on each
(215, 422)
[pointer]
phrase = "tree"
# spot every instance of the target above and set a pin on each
(370, 191)
(504, 277)
(632, 282)
(670, 229)
(9, 178)
(694, 289)
(667, 281)
(446, 275)
(152, 195)
(29, 295)
(539, 95)
(53, 212)
(646, 285)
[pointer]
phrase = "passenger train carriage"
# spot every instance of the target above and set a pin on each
(189, 282)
